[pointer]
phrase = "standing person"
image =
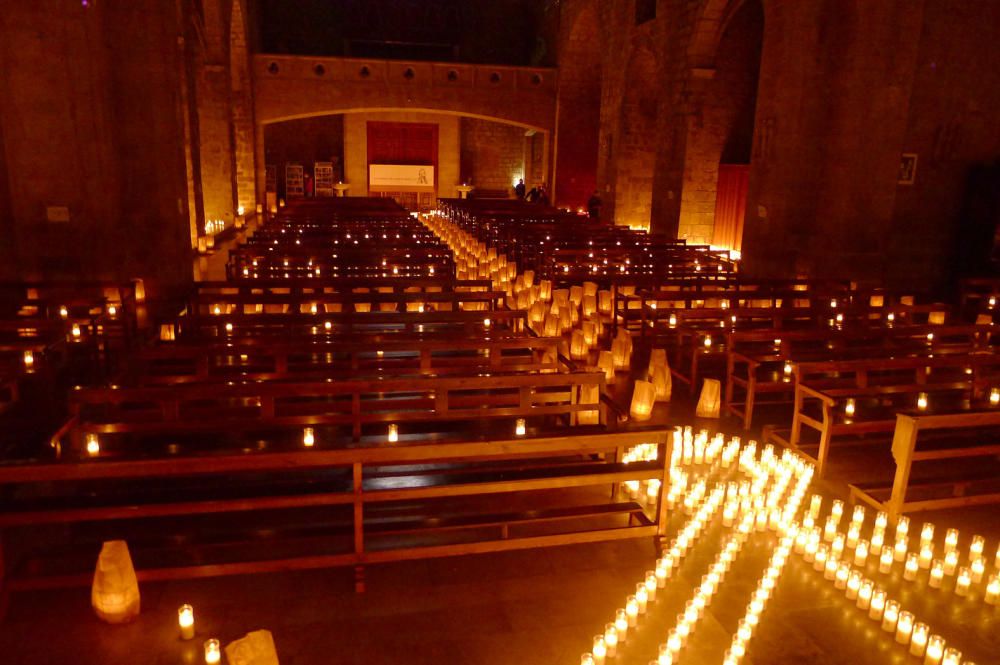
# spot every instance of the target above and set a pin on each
(594, 206)
(532, 196)
(309, 185)
(543, 195)
(519, 188)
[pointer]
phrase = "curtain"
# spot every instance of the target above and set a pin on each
(731, 205)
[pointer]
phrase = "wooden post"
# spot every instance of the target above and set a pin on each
(904, 442)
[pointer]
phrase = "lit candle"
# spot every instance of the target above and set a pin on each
(952, 656)
(853, 585)
(632, 611)
(487, 323)
(995, 396)
(937, 574)
(865, 594)
(621, 624)
(820, 561)
(935, 650)
(950, 562)
(393, 433)
(911, 567)
(587, 659)
(918, 639)
(878, 539)
(926, 555)
(877, 606)
(837, 510)
(861, 553)
(308, 437)
(611, 639)
(922, 401)
(63, 312)
(837, 547)
(853, 533)
(814, 506)
(75, 331)
(926, 534)
(993, 590)
(843, 572)
(519, 428)
(904, 627)
(600, 651)
(951, 540)
(29, 359)
(963, 581)
(976, 547)
(902, 527)
(185, 619)
(213, 653)
(881, 520)
(641, 597)
(978, 568)
(93, 445)
(849, 407)
(885, 560)
(889, 616)
(899, 551)
(830, 568)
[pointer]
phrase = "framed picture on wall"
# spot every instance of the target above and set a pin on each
(907, 168)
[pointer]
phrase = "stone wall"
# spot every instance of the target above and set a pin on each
(492, 154)
(91, 111)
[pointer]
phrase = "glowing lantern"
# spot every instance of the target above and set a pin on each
(663, 382)
(29, 359)
(589, 305)
(519, 427)
(185, 620)
(256, 648)
(393, 433)
(578, 346)
(621, 354)
(93, 445)
(167, 332)
(589, 394)
(604, 302)
(576, 295)
(643, 397)
(605, 363)
(308, 437)
(710, 399)
(115, 591)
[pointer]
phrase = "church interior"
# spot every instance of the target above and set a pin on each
(479, 332)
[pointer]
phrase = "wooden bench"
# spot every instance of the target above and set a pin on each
(872, 391)
(971, 435)
(369, 497)
(756, 366)
(343, 358)
(274, 405)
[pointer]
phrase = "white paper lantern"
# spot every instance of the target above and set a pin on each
(115, 591)
(256, 648)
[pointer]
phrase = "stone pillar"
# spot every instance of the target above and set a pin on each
(215, 133)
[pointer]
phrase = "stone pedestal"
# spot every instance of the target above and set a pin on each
(341, 188)
(463, 191)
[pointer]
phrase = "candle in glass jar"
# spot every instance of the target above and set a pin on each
(837, 547)
(853, 534)
(899, 551)
(185, 619)
(950, 562)
(611, 639)
(976, 548)
(992, 596)
(814, 506)
(977, 567)
(865, 595)
(952, 656)
(937, 574)
(926, 533)
(918, 639)
(599, 650)
(819, 561)
(926, 555)
(840, 577)
(861, 553)
(935, 650)
(950, 540)
(911, 567)
(853, 585)
(963, 581)
(878, 539)
(902, 527)
(889, 616)
(885, 560)
(837, 510)
(213, 652)
(877, 605)
(904, 627)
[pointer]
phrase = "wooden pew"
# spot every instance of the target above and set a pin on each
(381, 493)
(967, 436)
(273, 405)
(847, 400)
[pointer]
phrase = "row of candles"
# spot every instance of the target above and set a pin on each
(746, 501)
(903, 625)
(888, 555)
(185, 622)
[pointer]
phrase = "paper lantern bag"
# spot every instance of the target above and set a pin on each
(115, 592)
(256, 648)
(710, 399)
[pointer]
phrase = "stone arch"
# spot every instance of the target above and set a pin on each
(635, 149)
(578, 115)
(241, 88)
(720, 127)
